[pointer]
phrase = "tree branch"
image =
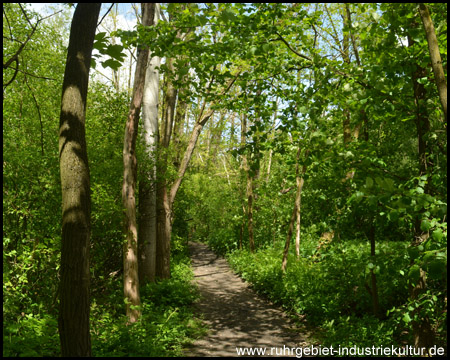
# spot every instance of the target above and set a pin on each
(290, 48)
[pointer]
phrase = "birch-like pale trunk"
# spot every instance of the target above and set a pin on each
(147, 185)
(130, 255)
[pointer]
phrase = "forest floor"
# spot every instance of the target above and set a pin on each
(234, 314)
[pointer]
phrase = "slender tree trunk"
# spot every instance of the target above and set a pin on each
(288, 240)
(422, 120)
(249, 186)
(364, 118)
(250, 198)
(147, 186)
(422, 332)
(295, 215)
(373, 278)
(166, 198)
(130, 256)
(298, 204)
(164, 212)
(164, 232)
(436, 62)
(73, 321)
(269, 164)
(346, 58)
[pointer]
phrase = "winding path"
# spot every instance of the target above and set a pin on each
(234, 313)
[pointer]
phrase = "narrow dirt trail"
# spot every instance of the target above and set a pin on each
(234, 313)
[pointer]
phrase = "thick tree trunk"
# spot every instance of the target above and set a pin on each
(73, 321)
(130, 256)
(147, 185)
(436, 62)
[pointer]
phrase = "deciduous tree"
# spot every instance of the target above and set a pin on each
(75, 184)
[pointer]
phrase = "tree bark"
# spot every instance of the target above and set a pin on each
(130, 256)
(74, 308)
(373, 277)
(436, 62)
(298, 204)
(249, 185)
(422, 119)
(147, 188)
(295, 215)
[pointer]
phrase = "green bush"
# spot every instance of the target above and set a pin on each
(166, 324)
(332, 291)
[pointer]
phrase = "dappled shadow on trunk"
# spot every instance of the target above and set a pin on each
(235, 315)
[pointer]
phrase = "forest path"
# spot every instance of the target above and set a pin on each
(234, 313)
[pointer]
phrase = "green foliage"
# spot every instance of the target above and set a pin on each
(331, 292)
(31, 335)
(104, 46)
(166, 324)
(297, 87)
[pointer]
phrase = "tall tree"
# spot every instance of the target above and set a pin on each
(75, 184)
(130, 256)
(436, 62)
(147, 189)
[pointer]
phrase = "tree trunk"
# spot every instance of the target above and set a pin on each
(73, 321)
(166, 198)
(130, 256)
(164, 232)
(249, 186)
(436, 62)
(164, 211)
(346, 58)
(422, 120)
(295, 215)
(422, 330)
(373, 278)
(147, 185)
(288, 240)
(298, 203)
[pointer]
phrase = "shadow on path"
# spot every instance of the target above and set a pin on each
(235, 314)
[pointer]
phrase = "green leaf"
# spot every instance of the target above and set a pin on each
(393, 215)
(436, 269)
(115, 51)
(437, 234)
(369, 182)
(414, 273)
(100, 36)
(413, 252)
(113, 64)
(406, 318)
(425, 225)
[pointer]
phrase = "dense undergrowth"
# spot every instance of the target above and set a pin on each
(333, 294)
(166, 325)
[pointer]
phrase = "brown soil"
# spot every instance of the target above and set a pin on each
(235, 315)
